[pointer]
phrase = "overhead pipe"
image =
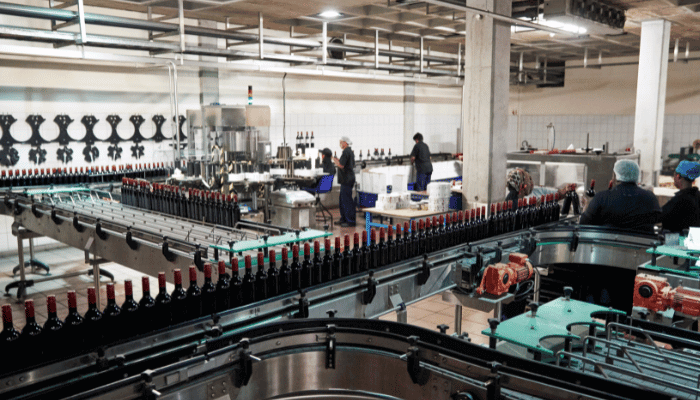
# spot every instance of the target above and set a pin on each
(130, 23)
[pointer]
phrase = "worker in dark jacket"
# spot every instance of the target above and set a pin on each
(327, 161)
(683, 210)
(420, 156)
(625, 206)
(346, 179)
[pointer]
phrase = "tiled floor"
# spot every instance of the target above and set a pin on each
(428, 313)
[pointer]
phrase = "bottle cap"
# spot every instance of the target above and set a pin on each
(110, 291)
(373, 232)
(72, 300)
(413, 225)
(248, 263)
(347, 241)
(222, 267)
(7, 314)
(178, 276)
(193, 273)
(92, 298)
(405, 228)
(234, 265)
(295, 251)
(421, 224)
(285, 254)
(29, 308)
(51, 303)
(161, 279)
(364, 236)
(207, 271)
(307, 249)
(145, 284)
(337, 243)
(261, 260)
(128, 288)
(390, 233)
(356, 238)
(441, 219)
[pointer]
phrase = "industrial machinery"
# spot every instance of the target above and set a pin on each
(655, 294)
(498, 278)
(294, 208)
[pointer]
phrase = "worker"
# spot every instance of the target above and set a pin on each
(626, 205)
(683, 210)
(420, 156)
(519, 184)
(346, 179)
(327, 162)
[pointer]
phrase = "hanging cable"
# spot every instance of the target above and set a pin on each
(284, 111)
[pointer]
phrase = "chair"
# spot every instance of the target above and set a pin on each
(325, 184)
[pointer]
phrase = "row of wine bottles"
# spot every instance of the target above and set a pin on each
(66, 176)
(200, 205)
(304, 143)
(377, 155)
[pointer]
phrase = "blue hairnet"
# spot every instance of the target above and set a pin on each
(688, 169)
(626, 171)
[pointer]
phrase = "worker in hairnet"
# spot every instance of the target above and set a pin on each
(520, 185)
(346, 179)
(683, 210)
(626, 205)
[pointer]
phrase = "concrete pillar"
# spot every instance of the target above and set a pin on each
(485, 104)
(651, 97)
(409, 116)
(208, 77)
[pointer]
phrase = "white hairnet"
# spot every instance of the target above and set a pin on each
(626, 171)
(346, 140)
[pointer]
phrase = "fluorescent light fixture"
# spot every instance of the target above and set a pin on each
(330, 14)
(550, 23)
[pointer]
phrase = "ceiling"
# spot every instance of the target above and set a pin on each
(403, 22)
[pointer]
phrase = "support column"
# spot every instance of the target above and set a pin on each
(208, 77)
(485, 104)
(651, 97)
(409, 116)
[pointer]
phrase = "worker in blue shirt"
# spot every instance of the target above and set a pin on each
(420, 157)
(346, 179)
(683, 210)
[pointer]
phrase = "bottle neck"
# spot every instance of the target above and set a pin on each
(146, 293)
(162, 290)
(72, 310)
(194, 283)
(7, 326)
(53, 315)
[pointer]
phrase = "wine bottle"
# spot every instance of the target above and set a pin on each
(236, 285)
(93, 330)
(147, 307)
(373, 251)
(557, 207)
(307, 277)
(208, 292)
(53, 332)
(261, 279)
(337, 261)
(567, 203)
(412, 245)
(73, 324)
(441, 239)
(390, 246)
(401, 241)
(327, 266)
(460, 229)
(8, 339)
(163, 307)
(575, 201)
(273, 276)
(428, 229)
(511, 216)
(295, 268)
(317, 263)
(223, 288)
(248, 285)
(447, 237)
(492, 221)
(31, 343)
(484, 223)
(111, 316)
(421, 238)
(285, 273)
(345, 267)
(178, 303)
(130, 312)
(590, 193)
(366, 255)
(355, 255)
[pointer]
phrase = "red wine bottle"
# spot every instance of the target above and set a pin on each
(93, 330)
(208, 292)
(345, 268)
(317, 263)
(412, 245)
(53, 327)
(147, 307)
(483, 223)
(130, 311)
(273, 276)
(236, 285)
(8, 339)
(195, 305)
(391, 246)
(178, 304)
(327, 266)
(30, 336)
(296, 268)
(492, 225)
(437, 234)
(448, 238)
(337, 262)
(590, 193)
(248, 283)
(442, 238)
(420, 239)
(365, 256)
(73, 324)
(223, 288)
(428, 236)
(373, 251)
(460, 229)
(261, 279)
(401, 241)
(285, 273)
(307, 277)
(356, 255)
(575, 201)
(163, 308)
(111, 315)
